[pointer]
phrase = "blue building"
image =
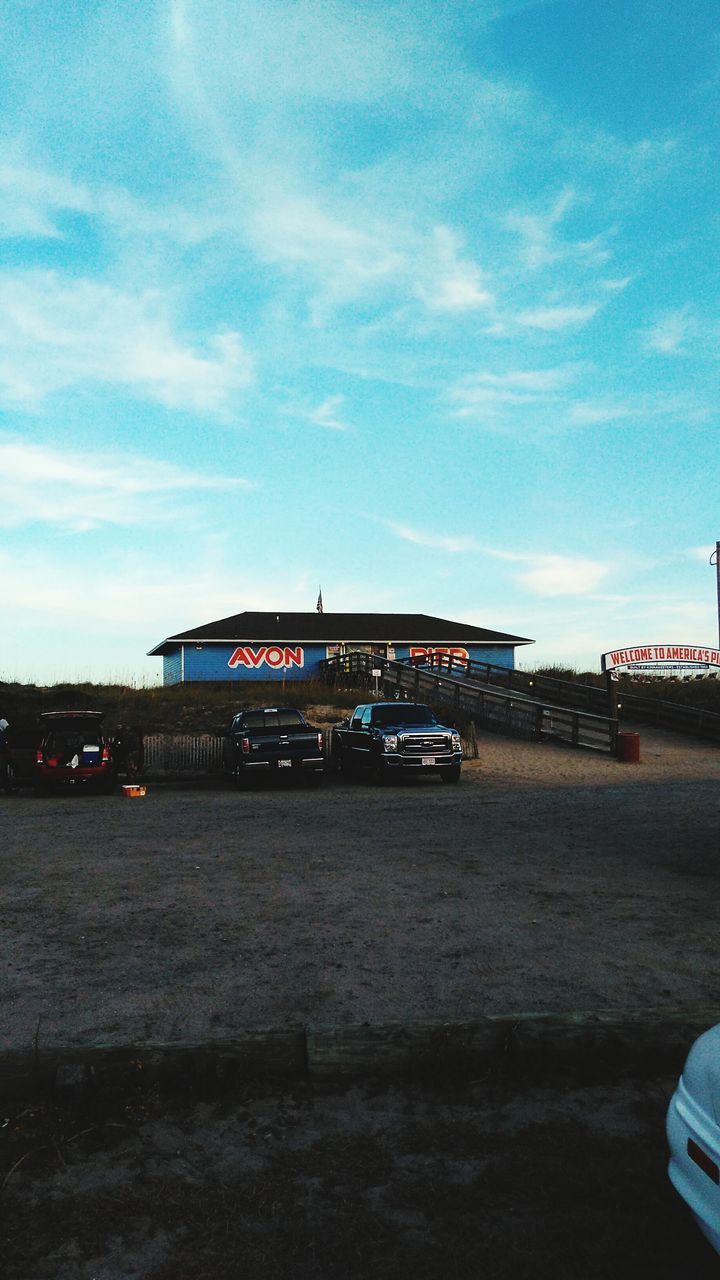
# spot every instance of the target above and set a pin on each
(291, 646)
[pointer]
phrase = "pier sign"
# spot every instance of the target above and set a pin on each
(671, 661)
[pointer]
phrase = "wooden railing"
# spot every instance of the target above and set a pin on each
(589, 697)
(516, 714)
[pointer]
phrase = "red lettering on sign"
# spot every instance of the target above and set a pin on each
(273, 655)
(426, 651)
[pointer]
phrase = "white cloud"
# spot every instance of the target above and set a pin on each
(347, 253)
(702, 553)
(541, 246)
(591, 412)
(298, 230)
(32, 198)
(462, 291)
(57, 332)
(545, 575)
(537, 232)
(82, 491)
(563, 575)
(326, 414)
(489, 393)
(454, 283)
(438, 541)
(553, 318)
(616, 286)
(34, 202)
(686, 407)
(151, 605)
(669, 332)
(96, 619)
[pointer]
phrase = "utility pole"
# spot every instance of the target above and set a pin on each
(715, 559)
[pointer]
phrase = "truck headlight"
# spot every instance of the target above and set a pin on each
(456, 742)
(390, 742)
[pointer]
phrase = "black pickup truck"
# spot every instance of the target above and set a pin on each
(396, 739)
(275, 741)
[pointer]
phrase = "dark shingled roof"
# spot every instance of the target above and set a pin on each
(321, 628)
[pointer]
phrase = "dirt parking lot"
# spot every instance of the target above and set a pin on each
(548, 880)
(495, 1181)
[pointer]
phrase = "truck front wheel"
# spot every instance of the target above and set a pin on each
(378, 773)
(451, 775)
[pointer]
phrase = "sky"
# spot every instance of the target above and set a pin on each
(417, 302)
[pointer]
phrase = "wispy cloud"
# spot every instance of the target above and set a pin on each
(31, 199)
(57, 332)
(540, 244)
(454, 282)
(616, 285)
(438, 541)
(48, 485)
(327, 414)
(555, 318)
(670, 331)
(686, 407)
(556, 575)
(487, 393)
(702, 553)
(592, 412)
(35, 201)
(544, 575)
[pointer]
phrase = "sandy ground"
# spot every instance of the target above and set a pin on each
(547, 880)
(394, 1184)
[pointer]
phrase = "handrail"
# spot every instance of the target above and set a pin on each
(660, 712)
(519, 715)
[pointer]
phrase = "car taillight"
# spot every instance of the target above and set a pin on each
(39, 757)
(321, 742)
(246, 746)
(106, 755)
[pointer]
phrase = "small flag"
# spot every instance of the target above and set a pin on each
(319, 605)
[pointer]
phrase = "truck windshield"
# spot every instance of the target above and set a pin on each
(403, 715)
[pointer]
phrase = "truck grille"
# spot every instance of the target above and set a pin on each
(423, 744)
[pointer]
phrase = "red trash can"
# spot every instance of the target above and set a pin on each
(628, 748)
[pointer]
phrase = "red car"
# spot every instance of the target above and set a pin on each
(73, 752)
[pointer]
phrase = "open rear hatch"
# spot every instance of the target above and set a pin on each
(73, 740)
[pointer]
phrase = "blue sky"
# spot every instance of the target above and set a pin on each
(417, 301)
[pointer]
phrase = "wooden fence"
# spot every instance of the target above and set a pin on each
(517, 714)
(167, 753)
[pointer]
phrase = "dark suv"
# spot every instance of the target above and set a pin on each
(73, 752)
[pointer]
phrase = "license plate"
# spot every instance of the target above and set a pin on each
(284, 764)
(428, 760)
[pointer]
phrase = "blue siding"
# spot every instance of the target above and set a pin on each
(289, 662)
(172, 667)
(211, 662)
(500, 655)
